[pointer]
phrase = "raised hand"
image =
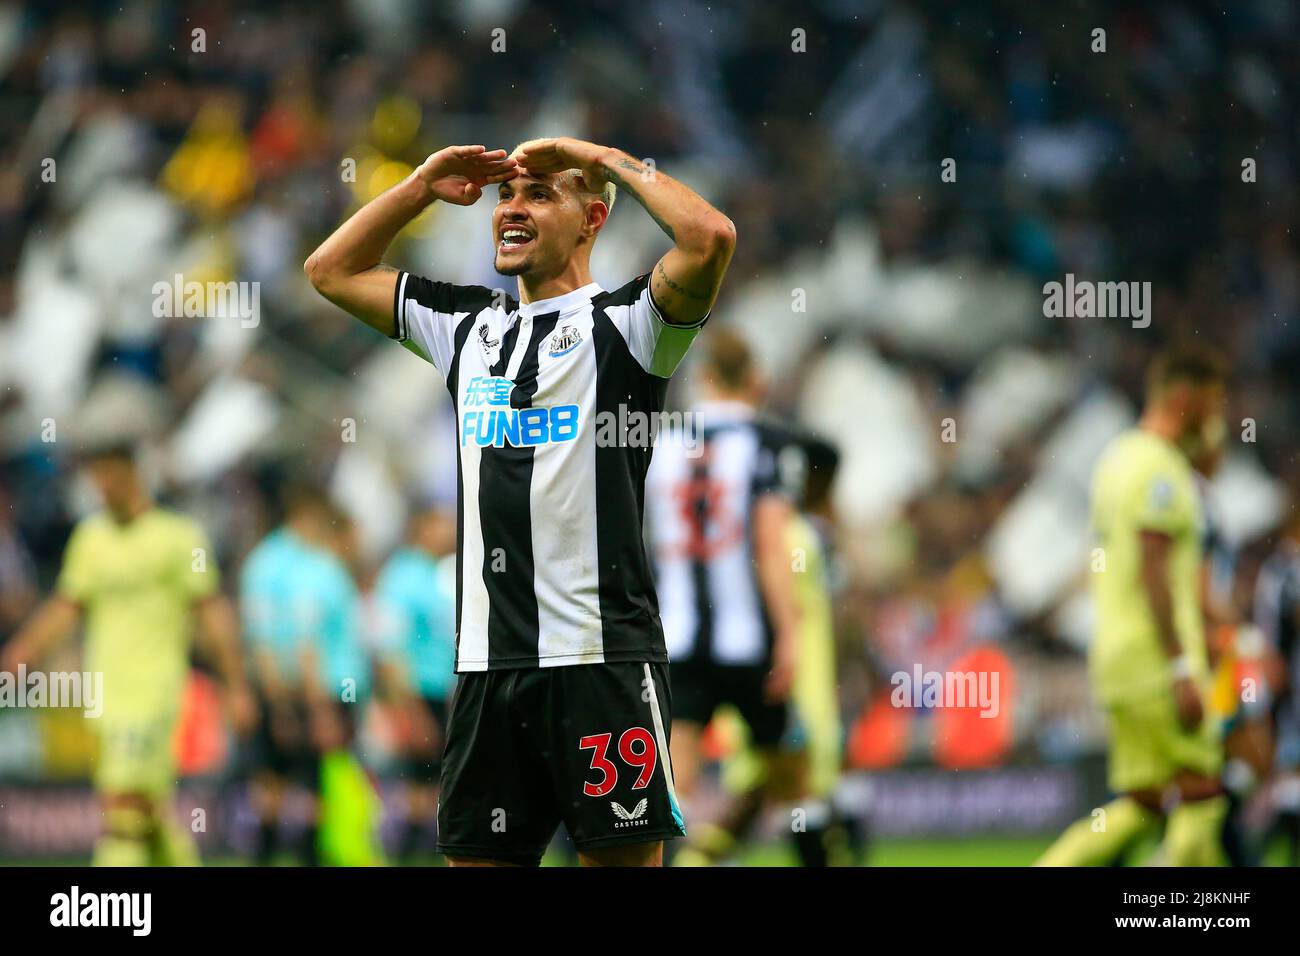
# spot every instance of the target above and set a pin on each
(457, 174)
(558, 154)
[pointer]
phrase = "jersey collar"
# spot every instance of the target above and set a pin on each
(567, 302)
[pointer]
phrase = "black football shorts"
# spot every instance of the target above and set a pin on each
(703, 687)
(530, 748)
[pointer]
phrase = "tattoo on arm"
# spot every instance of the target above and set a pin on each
(672, 236)
(681, 289)
(622, 182)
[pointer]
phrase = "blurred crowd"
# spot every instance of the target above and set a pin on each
(897, 310)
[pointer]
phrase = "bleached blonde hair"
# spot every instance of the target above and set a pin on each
(606, 194)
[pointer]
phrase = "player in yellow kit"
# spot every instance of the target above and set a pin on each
(140, 577)
(806, 770)
(1148, 661)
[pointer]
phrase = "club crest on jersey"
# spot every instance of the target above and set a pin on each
(1161, 494)
(563, 340)
(491, 346)
(633, 817)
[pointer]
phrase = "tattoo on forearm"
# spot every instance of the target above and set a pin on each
(682, 290)
(622, 182)
(663, 225)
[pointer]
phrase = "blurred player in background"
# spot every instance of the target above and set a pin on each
(1239, 699)
(267, 599)
(827, 837)
(558, 715)
(143, 579)
(822, 834)
(1148, 660)
(349, 805)
(415, 596)
(299, 604)
(721, 518)
(1277, 614)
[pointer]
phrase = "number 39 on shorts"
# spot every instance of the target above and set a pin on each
(636, 749)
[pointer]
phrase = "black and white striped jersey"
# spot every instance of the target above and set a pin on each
(551, 398)
(702, 489)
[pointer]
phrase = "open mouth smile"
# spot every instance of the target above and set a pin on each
(512, 237)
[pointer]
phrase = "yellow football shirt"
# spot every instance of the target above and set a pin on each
(814, 694)
(1142, 482)
(137, 584)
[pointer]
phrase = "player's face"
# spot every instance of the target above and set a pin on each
(537, 223)
(1204, 428)
(115, 480)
